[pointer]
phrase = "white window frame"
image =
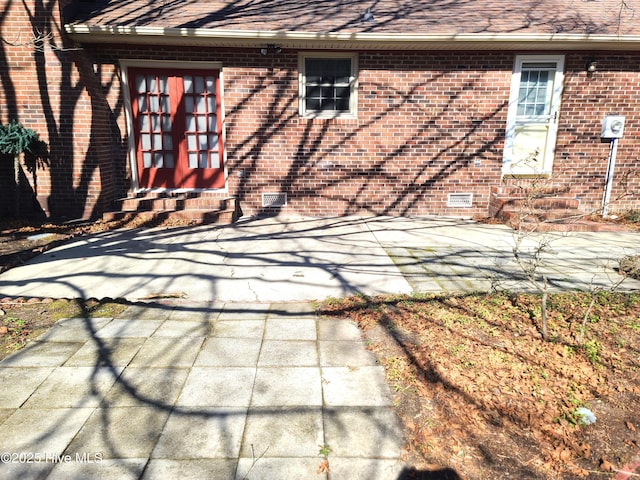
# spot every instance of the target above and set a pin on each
(353, 85)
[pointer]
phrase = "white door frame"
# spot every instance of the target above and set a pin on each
(536, 163)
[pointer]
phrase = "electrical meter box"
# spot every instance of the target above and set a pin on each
(612, 126)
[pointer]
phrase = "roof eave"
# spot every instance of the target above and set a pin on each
(337, 40)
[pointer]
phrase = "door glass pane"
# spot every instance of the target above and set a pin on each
(146, 141)
(190, 123)
(202, 123)
(193, 160)
(191, 142)
(140, 84)
(167, 142)
(213, 126)
(214, 160)
(201, 106)
(164, 84)
(157, 160)
(146, 159)
(188, 84)
(199, 84)
(204, 160)
(213, 141)
(534, 93)
(168, 160)
(202, 142)
(188, 104)
(151, 82)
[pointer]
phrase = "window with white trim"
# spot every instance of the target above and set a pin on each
(328, 85)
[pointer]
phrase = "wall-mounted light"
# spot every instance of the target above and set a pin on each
(591, 67)
(270, 49)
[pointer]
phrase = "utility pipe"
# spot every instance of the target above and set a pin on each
(613, 148)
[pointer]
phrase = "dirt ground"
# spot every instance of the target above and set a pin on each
(480, 393)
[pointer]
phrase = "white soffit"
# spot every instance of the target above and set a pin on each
(361, 41)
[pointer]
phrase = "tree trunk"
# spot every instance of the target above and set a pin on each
(16, 172)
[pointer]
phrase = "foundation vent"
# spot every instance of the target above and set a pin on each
(460, 200)
(274, 199)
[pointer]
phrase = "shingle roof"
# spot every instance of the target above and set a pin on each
(390, 16)
(343, 17)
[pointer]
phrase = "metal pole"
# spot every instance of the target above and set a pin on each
(609, 179)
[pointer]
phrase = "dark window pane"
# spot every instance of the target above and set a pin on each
(313, 104)
(342, 92)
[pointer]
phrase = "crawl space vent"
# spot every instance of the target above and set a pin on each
(460, 200)
(274, 199)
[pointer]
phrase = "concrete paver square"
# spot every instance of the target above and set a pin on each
(121, 468)
(285, 468)
(358, 386)
(287, 386)
(41, 354)
(19, 384)
(168, 352)
(218, 386)
(366, 432)
(283, 432)
(366, 468)
(239, 328)
(202, 433)
(292, 310)
(147, 312)
(232, 352)
(122, 432)
(197, 312)
(74, 387)
(140, 386)
(106, 352)
(41, 430)
(73, 330)
(5, 413)
(281, 353)
(119, 328)
(183, 328)
(345, 353)
(25, 471)
(244, 311)
(338, 329)
(285, 329)
(190, 469)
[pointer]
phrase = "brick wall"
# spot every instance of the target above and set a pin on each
(429, 124)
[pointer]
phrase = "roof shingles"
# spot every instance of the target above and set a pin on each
(446, 17)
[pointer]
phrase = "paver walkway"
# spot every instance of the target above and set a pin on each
(223, 392)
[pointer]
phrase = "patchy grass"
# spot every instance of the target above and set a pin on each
(23, 322)
(480, 392)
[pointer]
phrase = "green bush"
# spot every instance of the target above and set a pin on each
(15, 138)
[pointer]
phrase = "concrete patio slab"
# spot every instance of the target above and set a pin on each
(287, 386)
(223, 386)
(282, 353)
(197, 432)
(19, 384)
(168, 352)
(106, 352)
(226, 352)
(283, 432)
(120, 432)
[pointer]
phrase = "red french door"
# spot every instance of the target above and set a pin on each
(177, 127)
